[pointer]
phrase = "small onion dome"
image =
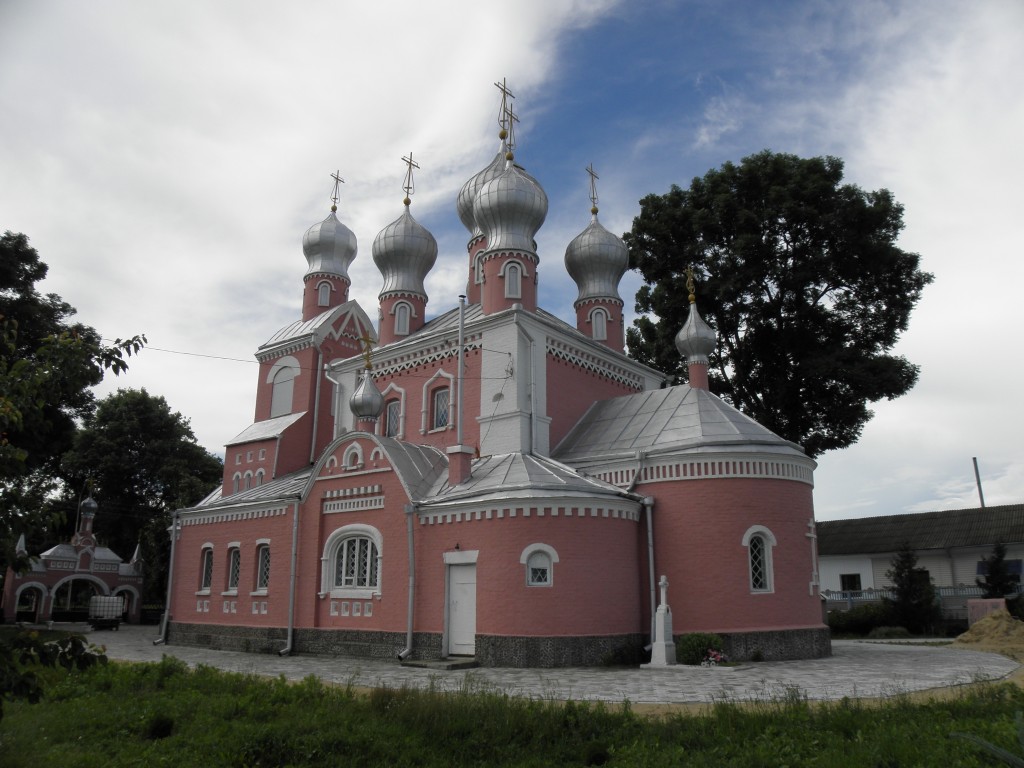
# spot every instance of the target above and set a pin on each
(404, 251)
(330, 247)
(468, 193)
(366, 402)
(509, 210)
(89, 506)
(695, 341)
(596, 260)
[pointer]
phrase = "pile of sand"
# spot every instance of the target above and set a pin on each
(998, 632)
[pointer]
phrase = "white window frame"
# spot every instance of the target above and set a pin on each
(352, 458)
(262, 547)
(390, 393)
(512, 272)
(328, 562)
(236, 482)
(403, 312)
(529, 557)
(599, 318)
(205, 569)
(323, 293)
(281, 378)
(234, 568)
(427, 412)
(767, 539)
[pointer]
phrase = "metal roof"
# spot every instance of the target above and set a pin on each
(522, 475)
(286, 488)
(263, 430)
(671, 419)
(977, 527)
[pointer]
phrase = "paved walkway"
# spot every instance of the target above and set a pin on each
(856, 669)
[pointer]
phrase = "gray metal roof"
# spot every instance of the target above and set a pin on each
(262, 430)
(285, 488)
(417, 466)
(317, 328)
(672, 419)
(522, 475)
(977, 527)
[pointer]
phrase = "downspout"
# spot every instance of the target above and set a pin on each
(462, 365)
(316, 405)
(162, 638)
(410, 510)
(336, 383)
(649, 509)
(291, 587)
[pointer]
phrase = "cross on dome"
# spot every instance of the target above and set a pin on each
(409, 186)
(335, 195)
(593, 188)
(507, 119)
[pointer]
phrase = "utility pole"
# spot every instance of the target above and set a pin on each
(977, 479)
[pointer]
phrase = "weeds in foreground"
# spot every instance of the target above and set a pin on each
(166, 714)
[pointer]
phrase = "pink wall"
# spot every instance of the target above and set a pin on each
(565, 405)
(698, 528)
(310, 295)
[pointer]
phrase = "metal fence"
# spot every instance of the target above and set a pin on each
(952, 599)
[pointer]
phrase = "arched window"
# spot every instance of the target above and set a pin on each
(263, 566)
(439, 408)
(236, 482)
(206, 568)
(599, 324)
(513, 280)
(248, 480)
(259, 477)
(282, 378)
(402, 313)
(353, 458)
(351, 562)
(539, 560)
(234, 566)
(393, 418)
(759, 542)
(323, 294)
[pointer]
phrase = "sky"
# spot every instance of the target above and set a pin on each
(165, 160)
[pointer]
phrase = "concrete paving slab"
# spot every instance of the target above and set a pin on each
(856, 669)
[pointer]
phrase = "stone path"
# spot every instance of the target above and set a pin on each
(856, 669)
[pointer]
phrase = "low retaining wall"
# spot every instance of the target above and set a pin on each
(784, 645)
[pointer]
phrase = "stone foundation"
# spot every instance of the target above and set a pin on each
(783, 645)
(593, 651)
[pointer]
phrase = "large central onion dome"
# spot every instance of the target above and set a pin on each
(596, 260)
(509, 209)
(329, 247)
(404, 252)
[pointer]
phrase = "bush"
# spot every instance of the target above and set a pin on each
(861, 619)
(888, 633)
(691, 648)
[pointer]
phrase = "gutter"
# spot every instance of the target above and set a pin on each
(649, 509)
(410, 510)
(291, 588)
(165, 622)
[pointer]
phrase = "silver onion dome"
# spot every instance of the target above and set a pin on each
(329, 247)
(596, 260)
(695, 340)
(404, 252)
(366, 402)
(509, 210)
(468, 193)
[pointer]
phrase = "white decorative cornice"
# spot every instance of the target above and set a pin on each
(512, 512)
(561, 350)
(233, 515)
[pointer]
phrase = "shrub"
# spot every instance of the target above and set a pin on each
(888, 633)
(861, 619)
(691, 648)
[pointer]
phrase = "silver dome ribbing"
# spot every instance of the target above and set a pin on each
(596, 260)
(366, 402)
(329, 247)
(509, 210)
(404, 252)
(469, 191)
(695, 340)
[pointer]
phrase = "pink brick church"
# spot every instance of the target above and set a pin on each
(493, 482)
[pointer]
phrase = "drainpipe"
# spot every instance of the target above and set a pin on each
(649, 509)
(291, 588)
(410, 510)
(533, 386)
(336, 383)
(170, 580)
(316, 405)
(462, 365)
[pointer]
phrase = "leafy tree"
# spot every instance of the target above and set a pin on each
(913, 602)
(997, 582)
(143, 462)
(804, 285)
(47, 366)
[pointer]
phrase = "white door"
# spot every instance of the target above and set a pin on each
(462, 609)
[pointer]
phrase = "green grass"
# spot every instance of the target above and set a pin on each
(167, 715)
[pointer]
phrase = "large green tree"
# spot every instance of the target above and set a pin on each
(913, 595)
(142, 462)
(801, 278)
(48, 364)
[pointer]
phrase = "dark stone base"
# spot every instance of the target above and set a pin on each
(593, 651)
(784, 645)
